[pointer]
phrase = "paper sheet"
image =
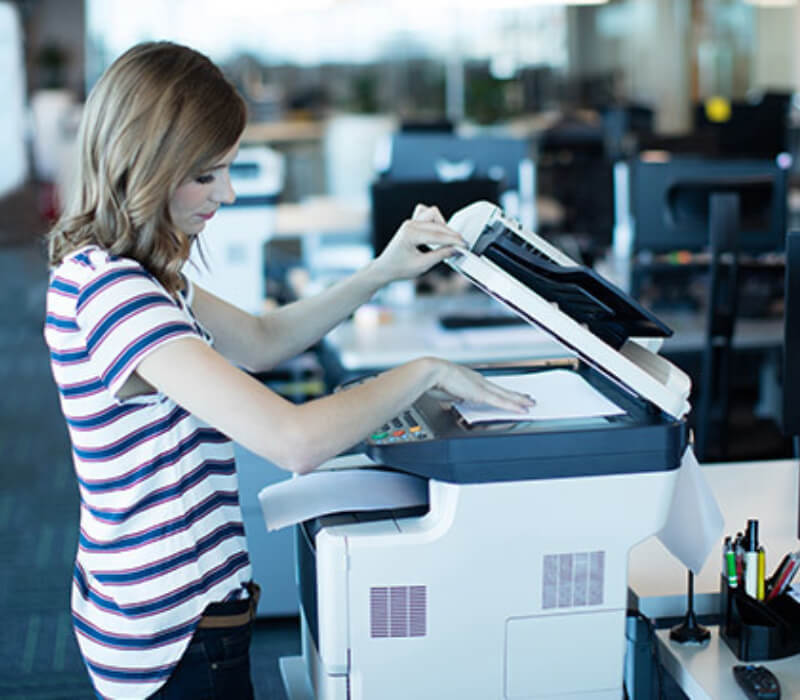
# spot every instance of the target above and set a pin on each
(339, 490)
(694, 523)
(559, 394)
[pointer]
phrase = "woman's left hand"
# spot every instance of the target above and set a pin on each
(420, 243)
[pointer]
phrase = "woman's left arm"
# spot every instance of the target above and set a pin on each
(259, 343)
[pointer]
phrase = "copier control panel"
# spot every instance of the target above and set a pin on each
(407, 426)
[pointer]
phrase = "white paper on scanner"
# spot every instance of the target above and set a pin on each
(694, 522)
(339, 489)
(559, 394)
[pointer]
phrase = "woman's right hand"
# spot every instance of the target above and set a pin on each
(420, 243)
(458, 383)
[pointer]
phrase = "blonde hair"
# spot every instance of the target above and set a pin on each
(160, 114)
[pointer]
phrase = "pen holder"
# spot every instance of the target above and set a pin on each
(755, 630)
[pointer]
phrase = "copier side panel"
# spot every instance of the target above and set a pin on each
(430, 605)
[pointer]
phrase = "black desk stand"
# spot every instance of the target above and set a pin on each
(690, 631)
(713, 410)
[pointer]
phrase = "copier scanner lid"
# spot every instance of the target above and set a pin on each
(574, 304)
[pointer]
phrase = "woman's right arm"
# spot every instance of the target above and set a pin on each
(301, 437)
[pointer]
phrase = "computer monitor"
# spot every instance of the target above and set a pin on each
(441, 156)
(669, 200)
(393, 202)
(751, 129)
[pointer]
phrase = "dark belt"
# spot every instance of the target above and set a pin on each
(233, 613)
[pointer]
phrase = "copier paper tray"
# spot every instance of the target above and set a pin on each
(577, 290)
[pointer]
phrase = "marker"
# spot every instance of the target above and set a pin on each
(730, 561)
(751, 559)
(762, 565)
(738, 551)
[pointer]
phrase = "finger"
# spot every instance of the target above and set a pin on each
(423, 212)
(437, 255)
(516, 405)
(520, 400)
(433, 233)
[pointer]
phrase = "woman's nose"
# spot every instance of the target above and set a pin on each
(225, 193)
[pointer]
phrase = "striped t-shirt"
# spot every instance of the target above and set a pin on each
(161, 533)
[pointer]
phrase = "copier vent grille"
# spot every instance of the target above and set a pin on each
(573, 579)
(398, 611)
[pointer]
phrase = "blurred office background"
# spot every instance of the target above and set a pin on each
(604, 126)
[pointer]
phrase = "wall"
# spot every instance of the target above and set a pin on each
(776, 54)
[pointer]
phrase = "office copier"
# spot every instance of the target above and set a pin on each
(510, 579)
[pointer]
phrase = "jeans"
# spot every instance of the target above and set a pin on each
(215, 666)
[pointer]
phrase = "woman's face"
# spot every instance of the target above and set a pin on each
(198, 198)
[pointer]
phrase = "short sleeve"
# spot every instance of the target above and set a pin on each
(125, 314)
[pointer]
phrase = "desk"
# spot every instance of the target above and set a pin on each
(704, 673)
(689, 332)
(369, 343)
(765, 490)
(321, 216)
(412, 331)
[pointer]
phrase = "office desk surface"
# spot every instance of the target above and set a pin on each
(689, 332)
(767, 490)
(379, 339)
(704, 672)
(320, 216)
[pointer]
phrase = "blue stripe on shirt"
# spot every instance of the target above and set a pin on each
(144, 342)
(203, 545)
(121, 675)
(64, 286)
(126, 641)
(103, 417)
(184, 447)
(219, 499)
(129, 309)
(64, 324)
(206, 469)
(90, 386)
(107, 279)
(151, 607)
(63, 358)
(94, 454)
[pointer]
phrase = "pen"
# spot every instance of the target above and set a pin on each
(738, 550)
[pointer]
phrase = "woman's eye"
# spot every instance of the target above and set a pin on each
(204, 179)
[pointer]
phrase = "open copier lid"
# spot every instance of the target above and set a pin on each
(578, 307)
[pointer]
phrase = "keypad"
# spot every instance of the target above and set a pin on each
(404, 427)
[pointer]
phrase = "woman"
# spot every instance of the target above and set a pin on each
(147, 367)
